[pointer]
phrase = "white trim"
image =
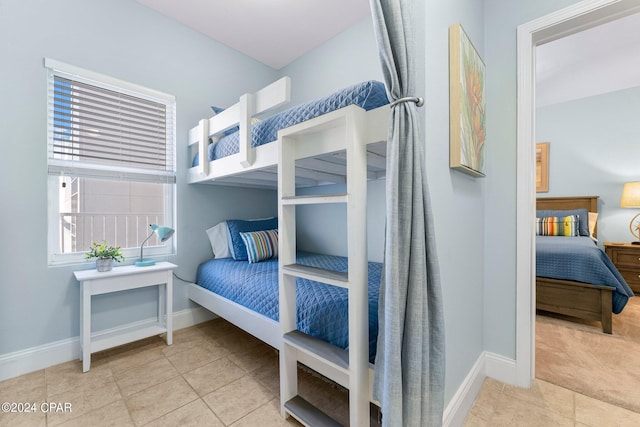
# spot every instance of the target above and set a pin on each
(191, 316)
(563, 22)
(500, 368)
(85, 169)
(487, 365)
(525, 202)
(91, 77)
(462, 401)
(46, 355)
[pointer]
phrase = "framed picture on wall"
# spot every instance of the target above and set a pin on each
(542, 167)
(467, 105)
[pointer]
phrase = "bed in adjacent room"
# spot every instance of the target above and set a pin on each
(573, 275)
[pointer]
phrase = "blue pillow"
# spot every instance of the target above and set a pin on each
(376, 95)
(583, 217)
(229, 131)
(237, 226)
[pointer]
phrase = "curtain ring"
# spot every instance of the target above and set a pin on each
(419, 101)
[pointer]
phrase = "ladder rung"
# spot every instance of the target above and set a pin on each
(308, 414)
(331, 277)
(318, 348)
(315, 199)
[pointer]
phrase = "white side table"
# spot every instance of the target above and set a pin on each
(93, 282)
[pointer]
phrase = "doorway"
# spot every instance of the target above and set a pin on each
(570, 20)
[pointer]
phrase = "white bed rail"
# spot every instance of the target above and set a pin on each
(240, 114)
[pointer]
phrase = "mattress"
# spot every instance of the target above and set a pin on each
(579, 259)
(322, 310)
(367, 95)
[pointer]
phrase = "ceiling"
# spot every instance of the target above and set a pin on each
(599, 60)
(274, 32)
(602, 59)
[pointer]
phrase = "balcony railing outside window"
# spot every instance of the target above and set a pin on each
(127, 230)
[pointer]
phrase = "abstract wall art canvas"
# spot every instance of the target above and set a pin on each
(467, 103)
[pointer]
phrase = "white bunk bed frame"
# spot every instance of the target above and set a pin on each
(257, 166)
(351, 139)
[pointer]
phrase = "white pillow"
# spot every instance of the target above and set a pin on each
(219, 241)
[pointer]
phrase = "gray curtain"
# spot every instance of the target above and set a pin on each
(409, 365)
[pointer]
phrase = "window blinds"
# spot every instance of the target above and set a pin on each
(100, 130)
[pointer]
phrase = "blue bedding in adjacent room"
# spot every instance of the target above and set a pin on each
(579, 259)
(322, 309)
(367, 95)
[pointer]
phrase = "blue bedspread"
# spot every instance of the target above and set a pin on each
(580, 260)
(367, 95)
(322, 309)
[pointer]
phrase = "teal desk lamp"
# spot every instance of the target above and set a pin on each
(164, 234)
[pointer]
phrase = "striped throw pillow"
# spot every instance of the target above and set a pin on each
(260, 245)
(557, 226)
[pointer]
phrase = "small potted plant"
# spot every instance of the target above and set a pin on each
(104, 255)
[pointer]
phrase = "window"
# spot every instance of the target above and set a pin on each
(111, 163)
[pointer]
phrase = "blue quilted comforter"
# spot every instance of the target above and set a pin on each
(580, 260)
(322, 310)
(367, 95)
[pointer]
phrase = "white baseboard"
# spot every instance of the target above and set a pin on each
(43, 356)
(487, 365)
(462, 401)
(191, 316)
(500, 368)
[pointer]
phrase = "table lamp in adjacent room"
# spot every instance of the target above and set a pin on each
(164, 234)
(631, 199)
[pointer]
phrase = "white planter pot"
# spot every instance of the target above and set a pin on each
(104, 264)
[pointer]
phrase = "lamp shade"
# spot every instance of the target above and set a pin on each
(630, 195)
(163, 233)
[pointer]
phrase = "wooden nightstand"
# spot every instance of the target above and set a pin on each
(626, 258)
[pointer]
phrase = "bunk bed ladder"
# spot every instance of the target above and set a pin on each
(347, 368)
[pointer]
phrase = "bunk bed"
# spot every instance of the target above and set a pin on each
(573, 276)
(344, 143)
(321, 310)
(239, 143)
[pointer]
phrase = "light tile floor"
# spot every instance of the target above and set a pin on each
(213, 375)
(216, 375)
(544, 405)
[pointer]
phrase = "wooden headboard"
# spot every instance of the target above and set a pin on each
(590, 203)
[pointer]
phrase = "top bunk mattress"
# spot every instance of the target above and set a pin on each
(579, 259)
(367, 95)
(322, 310)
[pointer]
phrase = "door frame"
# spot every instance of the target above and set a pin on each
(570, 20)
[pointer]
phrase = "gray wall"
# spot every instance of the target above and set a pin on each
(348, 58)
(593, 150)
(457, 199)
(120, 38)
(502, 18)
